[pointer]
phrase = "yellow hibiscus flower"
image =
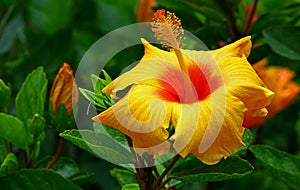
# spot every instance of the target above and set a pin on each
(203, 94)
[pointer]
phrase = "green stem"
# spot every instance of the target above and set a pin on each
(57, 154)
(158, 182)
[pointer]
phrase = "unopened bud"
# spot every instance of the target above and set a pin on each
(37, 124)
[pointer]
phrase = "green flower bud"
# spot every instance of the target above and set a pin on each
(37, 124)
(5, 94)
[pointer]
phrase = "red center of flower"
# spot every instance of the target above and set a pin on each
(188, 88)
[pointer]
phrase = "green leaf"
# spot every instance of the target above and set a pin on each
(281, 164)
(28, 179)
(14, 24)
(100, 100)
(274, 6)
(247, 139)
(285, 41)
(99, 83)
(13, 130)
(9, 165)
(100, 145)
(3, 149)
(50, 16)
(81, 177)
(269, 21)
(297, 128)
(131, 186)
(258, 178)
(123, 176)
(61, 120)
(114, 10)
(31, 98)
(193, 170)
(64, 166)
(116, 134)
(67, 168)
(211, 9)
(5, 94)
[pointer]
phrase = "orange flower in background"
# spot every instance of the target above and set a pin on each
(279, 80)
(64, 90)
(204, 94)
(144, 11)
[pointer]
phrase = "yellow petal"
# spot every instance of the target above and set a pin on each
(237, 49)
(141, 115)
(254, 96)
(237, 70)
(211, 129)
(151, 67)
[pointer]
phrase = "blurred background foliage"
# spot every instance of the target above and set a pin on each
(50, 32)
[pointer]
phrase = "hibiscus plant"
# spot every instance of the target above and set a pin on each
(156, 94)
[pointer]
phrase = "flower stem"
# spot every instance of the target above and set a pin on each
(57, 154)
(249, 20)
(155, 171)
(9, 146)
(136, 164)
(164, 183)
(160, 178)
(229, 30)
(234, 27)
(25, 160)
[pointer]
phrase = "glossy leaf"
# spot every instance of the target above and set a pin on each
(13, 130)
(64, 166)
(298, 130)
(99, 83)
(114, 133)
(193, 170)
(271, 5)
(61, 120)
(31, 97)
(3, 148)
(285, 41)
(100, 100)
(123, 176)
(258, 180)
(67, 168)
(281, 164)
(211, 9)
(97, 97)
(5, 93)
(81, 177)
(9, 165)
(131, 186)
(119, 7)
(100, 145)
(28, 179)
(50, 15)
(247, 139)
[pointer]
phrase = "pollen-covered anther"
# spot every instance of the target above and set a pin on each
(167, 29)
